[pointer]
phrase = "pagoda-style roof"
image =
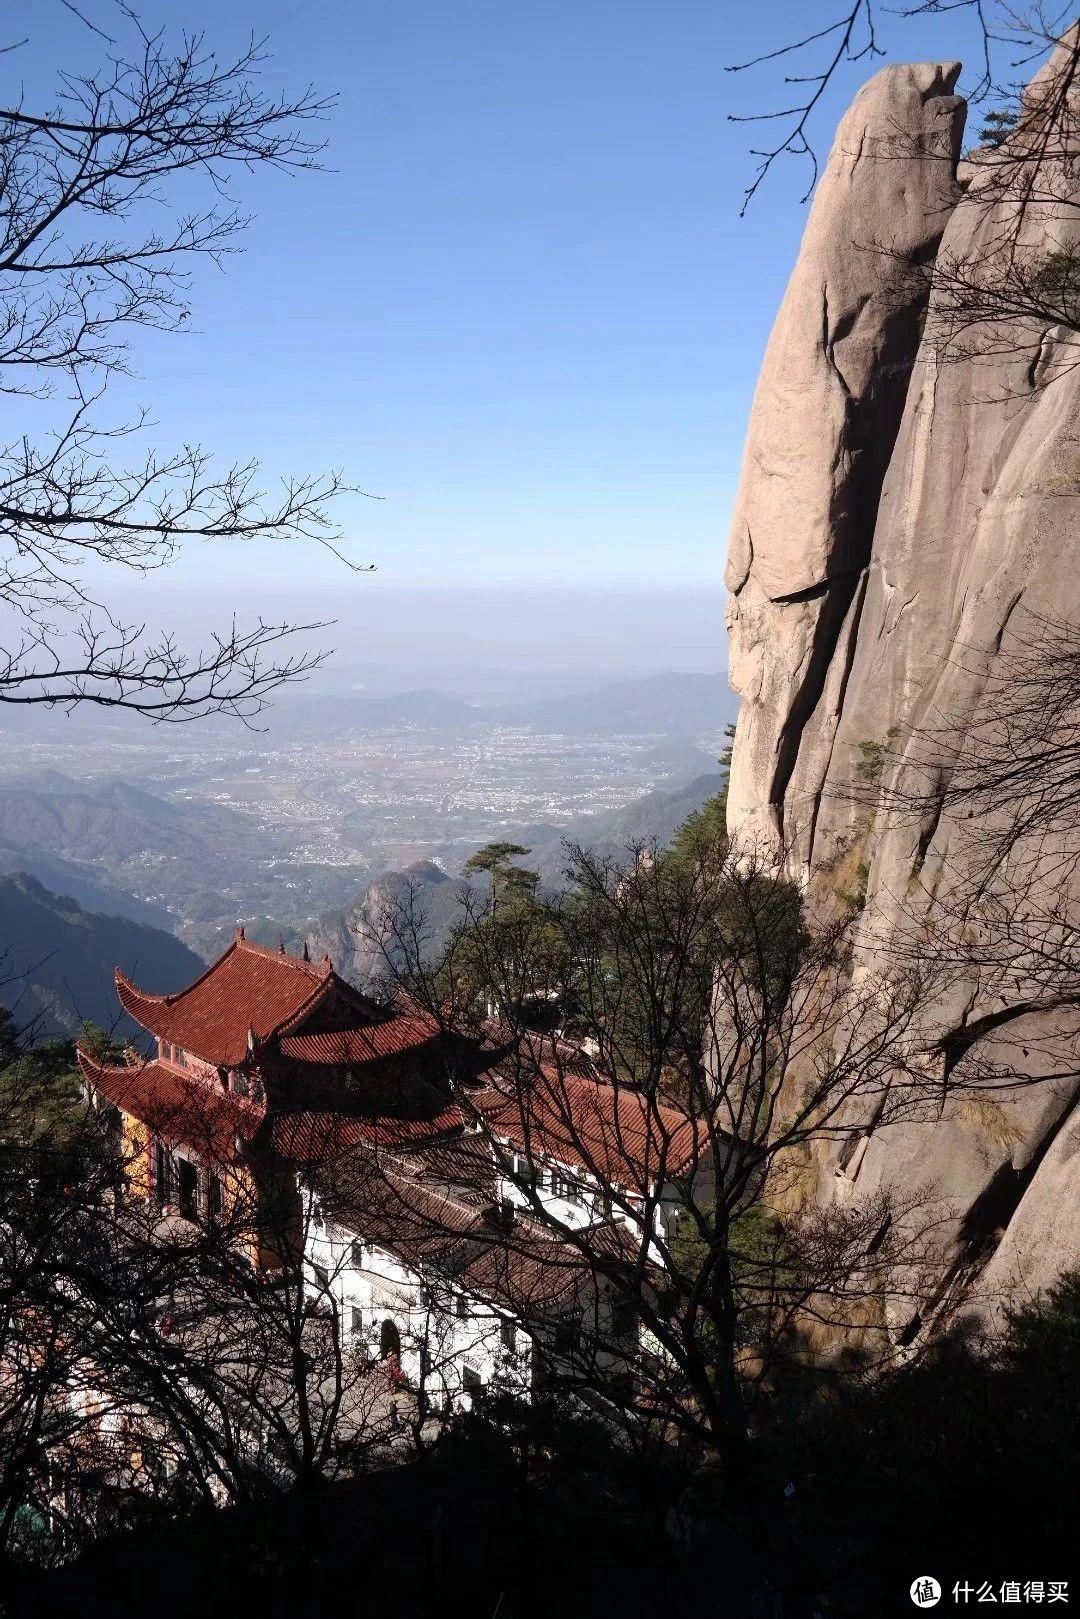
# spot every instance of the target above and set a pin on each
(306, 1029)
(399, 1033)
(220, 1126)
(304, 1011)
(309, 1136)
(181, 1110)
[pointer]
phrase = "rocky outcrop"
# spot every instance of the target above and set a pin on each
(900, 516)
(825, 416)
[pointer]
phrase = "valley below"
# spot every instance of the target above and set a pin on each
(190, 830)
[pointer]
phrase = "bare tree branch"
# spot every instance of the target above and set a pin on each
(84, 265)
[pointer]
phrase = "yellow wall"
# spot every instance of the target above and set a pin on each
(237, 1186)
(135, 1150)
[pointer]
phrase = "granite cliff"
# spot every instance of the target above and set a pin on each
(900, 529)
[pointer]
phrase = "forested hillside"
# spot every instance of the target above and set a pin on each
(59, 961)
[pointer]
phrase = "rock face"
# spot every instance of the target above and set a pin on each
(900, 516)
(825, 417)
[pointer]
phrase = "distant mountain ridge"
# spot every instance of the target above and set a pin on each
(655, 817)
(90, 887)
(175, 852)
(673, 704)
(670, 704)
(104, 820)
(59, 960)
(61, 953)
(104, 842)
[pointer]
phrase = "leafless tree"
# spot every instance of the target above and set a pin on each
(1007, 285)
(162, 1342)
(55, 1177)
(849, 35)
(670, 1041)
(98, 236)
(228, 1359)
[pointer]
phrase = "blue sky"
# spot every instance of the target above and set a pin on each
(522, 308)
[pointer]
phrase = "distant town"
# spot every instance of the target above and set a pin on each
(315, 806)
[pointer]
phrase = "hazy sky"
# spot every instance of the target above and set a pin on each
(522, 309)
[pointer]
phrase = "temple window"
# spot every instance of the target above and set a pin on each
(161, 1186)
(187, 1189)
(568, 1332)
(471, 1381)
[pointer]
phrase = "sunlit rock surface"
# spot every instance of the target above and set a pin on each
(902, 517)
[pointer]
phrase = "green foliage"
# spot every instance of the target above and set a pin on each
(762, 1263)
(42, 1106)
(47, 1135)
(702, 836)
(873, 756)
(1045, 1334)
(510, 884)
(10, 1038)
(756, 1242)
(39, 1094)
(494, 857)
(726, 755)
(99, 1043)
(997, 125)
(1055, 282)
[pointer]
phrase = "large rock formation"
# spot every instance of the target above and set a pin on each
(900, 509)
(825, 417)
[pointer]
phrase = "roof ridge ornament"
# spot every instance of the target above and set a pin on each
(239, 932)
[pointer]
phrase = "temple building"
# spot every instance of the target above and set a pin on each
(399, 1166)
(267, 1061)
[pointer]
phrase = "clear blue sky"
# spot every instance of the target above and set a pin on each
(523, 307)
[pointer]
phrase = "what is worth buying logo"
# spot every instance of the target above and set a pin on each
(925, 1591)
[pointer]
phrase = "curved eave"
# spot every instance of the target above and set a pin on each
(158, 1014)
(151, 1012)
(216, 1125)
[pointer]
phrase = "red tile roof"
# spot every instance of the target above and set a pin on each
(613, 1132)
(313, 1136)
(391, 1038)
(451, 1236)
(310, 1014)
(246, 988)
(181, 1109)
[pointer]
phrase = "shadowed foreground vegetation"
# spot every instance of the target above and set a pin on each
(964, 1466)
